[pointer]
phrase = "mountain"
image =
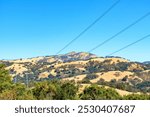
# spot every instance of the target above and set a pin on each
(146, 62)
(83, 68)
(73, 56)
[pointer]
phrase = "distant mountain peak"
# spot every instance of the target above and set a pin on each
(71, 53)
(146, 62)
(73, 56)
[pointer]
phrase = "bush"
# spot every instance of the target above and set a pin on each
(17, 92)
(85, 81)
(5, 79)
(91, 76)
(68, 91)
(55, 90)
(137, 97)
(45, 90)
(95, 92)
(4, 74)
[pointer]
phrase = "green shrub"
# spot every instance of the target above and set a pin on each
(95, 92)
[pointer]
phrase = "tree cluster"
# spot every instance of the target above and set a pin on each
(57, 90)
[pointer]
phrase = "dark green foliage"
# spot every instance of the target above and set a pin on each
(91, 76)
(95, 92)
(45, 90)
(5, 79)
(67, 71)
(123, 85)
(92, 66)
(144, 86)
(105, 66)
(5, 86)
(144, 75)
(17, 92)
(137, 97)
(122, 66)
(7, 63)
(10, 91)
(147, 65)
(85, 81)
(102, 82)
(68, 91)
(55, 90)
(135, 81)
(4, 74)
(51, 76)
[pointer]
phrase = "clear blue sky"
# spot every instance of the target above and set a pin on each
(30, 28)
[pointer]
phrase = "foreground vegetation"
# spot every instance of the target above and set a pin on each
(57, 90)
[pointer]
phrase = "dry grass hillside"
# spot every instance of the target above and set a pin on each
(83, 68)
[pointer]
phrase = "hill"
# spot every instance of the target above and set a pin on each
(84, 68)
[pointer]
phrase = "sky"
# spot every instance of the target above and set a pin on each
(30, 28)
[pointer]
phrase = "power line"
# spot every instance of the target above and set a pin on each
(123, 30)
(129, 45)
(15, 79)
(90, 26)
(27, 80)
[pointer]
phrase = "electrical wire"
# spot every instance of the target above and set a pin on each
(120, 32)
(129, 45)
(90, 26)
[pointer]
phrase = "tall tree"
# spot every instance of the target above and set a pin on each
(5, 79)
